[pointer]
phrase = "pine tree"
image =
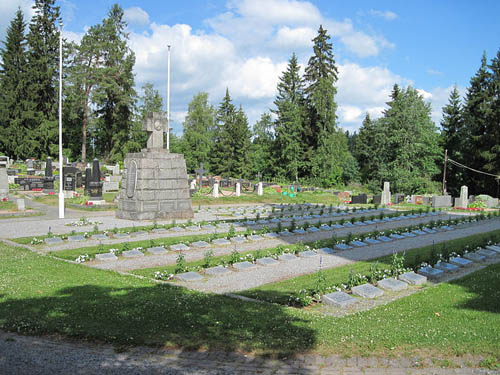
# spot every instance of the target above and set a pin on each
(42, 79)
(198, 127)
(240, 146)
(453, 135)
(13, 90)
(222, 153)
(261, 149)
(492, 135)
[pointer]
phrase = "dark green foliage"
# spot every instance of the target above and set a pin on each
(261, 149)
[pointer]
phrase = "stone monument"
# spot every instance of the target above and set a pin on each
(155, 183)
(48, 182)
(94, 183)
(386, 194)
(463, 201)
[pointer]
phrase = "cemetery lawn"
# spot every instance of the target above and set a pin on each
(42, 295)
(280, 291)
(7, 206)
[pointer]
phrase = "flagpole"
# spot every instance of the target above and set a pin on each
(61, 194)
(168, 99)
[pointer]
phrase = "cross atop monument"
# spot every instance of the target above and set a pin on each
(155, 124)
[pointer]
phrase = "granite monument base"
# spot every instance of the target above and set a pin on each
(154, 186)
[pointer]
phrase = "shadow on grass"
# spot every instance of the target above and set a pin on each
(160, 315)
(485, 285)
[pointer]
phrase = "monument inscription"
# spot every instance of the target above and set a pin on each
(131, 178)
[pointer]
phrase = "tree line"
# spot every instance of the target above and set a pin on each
(299, 139)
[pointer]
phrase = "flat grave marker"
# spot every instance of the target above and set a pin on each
(308, 254)
(461, 262)
(357, 243)
(159, 230)
(53, 240)
(255, 237)
(487, 253)
(238, 240)
(139, 233)
(392, 284)
(384, 239)
(243, 266)
(419, 232)
(200, 244)
(158, 250)
(430, 272)
(299, 231)
(287, 257)
(475, 257)
(179, 247)
(338, 299)
(408, 234)
(313, 229)
(208, 227)
(371, 241)
(189, 276)
(367, 291)
(325, 227)
(494, 248)
(193, 228)
(121, 235)
(267, 261)
(397, 236)
(217, 271)
(342, 246)
(134, 253)
(446, 267)
(176, 229)
(99, 237)
(429, 230)
(285, 233)
(106, 257)
(221, 242)
(413, 278)
(77, 238)
(325, 251)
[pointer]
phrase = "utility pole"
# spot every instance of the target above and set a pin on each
(61, 193)
(444, 171)
(168, 99)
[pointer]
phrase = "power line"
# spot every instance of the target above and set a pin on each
(472, 169)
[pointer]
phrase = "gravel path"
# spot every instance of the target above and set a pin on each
(260, 275)
(24, 355)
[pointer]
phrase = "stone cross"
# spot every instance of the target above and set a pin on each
(200, 172)
(155, 124)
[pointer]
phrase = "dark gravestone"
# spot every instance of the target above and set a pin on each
(76, 173)
(426, 201)
(48, 182)
(69, 182)
(88, 178)
(95, 183)
(398, 198)
(377, 199)
(359, 199)
(30, 183)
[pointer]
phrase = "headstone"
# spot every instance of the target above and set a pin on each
(377, 199)
(413, 278)
(95, 183)
(53, 240)
(392, 284)
(21, 204)
(30, 167)
(463, 201)
(106, 257)
(442, 201)
(338, 299)
(179, 247)
(260, 190)
(308, 254)
(367, 291)
(238, 189)
(155, 181)
(243, 266)
(430, 272)
(158, 250)
(461, 262)
(446, 267)
(487, 253)
(189, 276)
(48, 182)
(398, 198)
(359, 199)
(216, 271)
(4, 180)
(215, 191)
(286, 257)
(386, 194)
(134, 253)
(267, 261)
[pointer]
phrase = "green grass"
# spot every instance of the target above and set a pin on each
(7, 206)
(76, 203)
(279, 292)
(41, 295)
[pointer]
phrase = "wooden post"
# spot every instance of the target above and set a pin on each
(444, 171)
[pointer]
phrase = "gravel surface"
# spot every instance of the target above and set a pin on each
(24, 355)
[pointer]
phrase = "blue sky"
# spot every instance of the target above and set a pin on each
(245, 44)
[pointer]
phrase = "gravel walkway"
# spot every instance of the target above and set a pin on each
(24, 355)
(260, 275)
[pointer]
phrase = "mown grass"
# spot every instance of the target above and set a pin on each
(279, 292)
(7, 206)
(41, 295)
(76, 203)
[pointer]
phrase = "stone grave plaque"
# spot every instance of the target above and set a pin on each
(369, 222)
(338, 299)
(413, 278)
(446, 267)
(357, 243)
(447, 227)
(428, 230)
(208, 227)
(348, 224)
(367, 291)
(475, 257)
(325, 227)
(53, 240)
(408, 234)
(487, 253)
(419, 232)
(359, 223)
(193, 228)
(267, 261)
(217, 271)
(255, 237)
(384, 239)
(106, 257)
(287, 257)
(189, 276)
(121, 235)
(285, 233)
(99, 236)
(461, 262)
(176, 229)
(392, 284)
(271, 235)
(262, 221)
(200, 244)
(138, 233)
(158, 250)
(159, 230)
(299, 231)
(325, 251)
(430, 272)
(249, 222)
(76, 238)
(133, 253)
(342, 246)
(179, 247)
(371, 241)
(308, 254)
(238, 240)
(243, 266)
(221, 242)
(494, 248)
(313, 229)
(397, 236)
(223, 225)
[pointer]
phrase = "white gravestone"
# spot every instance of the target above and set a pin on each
(386, 194)
(238, 189)
(192, 186)
(463, 201)
(260, 190)
(215, 192)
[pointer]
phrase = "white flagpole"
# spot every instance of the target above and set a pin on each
(168, 99)
(61, 194)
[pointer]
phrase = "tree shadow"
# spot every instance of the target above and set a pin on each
(161, 316)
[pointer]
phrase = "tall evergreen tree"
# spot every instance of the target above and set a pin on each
(262, 147)
(222, 152)
(453, 138)
(198, 127)
(240, 145)
(492, 136)
(13, 90)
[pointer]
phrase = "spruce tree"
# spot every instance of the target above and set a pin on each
(221, 154)
(13, 90)
(262, 147)
(240, 146)
(453, 138)
(492, 136)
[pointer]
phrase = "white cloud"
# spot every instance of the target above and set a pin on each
(434, 72)
(136, 16)
(300, 37)
(71, 36)
(387, 14)
(8, 9)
